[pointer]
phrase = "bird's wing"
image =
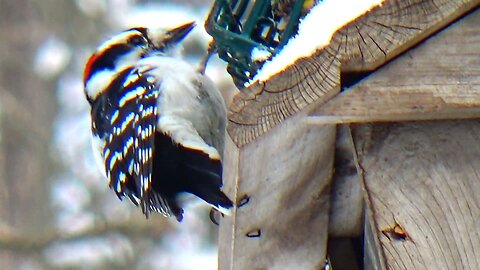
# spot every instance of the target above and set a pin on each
(129, 140)
(144, 128)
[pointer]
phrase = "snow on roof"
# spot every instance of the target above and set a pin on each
(315, 32)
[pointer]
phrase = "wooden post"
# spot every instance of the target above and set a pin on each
(286, 175)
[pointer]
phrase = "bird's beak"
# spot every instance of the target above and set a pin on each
(172, 36)
(180, 32)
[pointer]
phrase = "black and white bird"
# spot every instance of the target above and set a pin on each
(157, 123)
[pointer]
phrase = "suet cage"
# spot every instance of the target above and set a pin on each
(243, 28)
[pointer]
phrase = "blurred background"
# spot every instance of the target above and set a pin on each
(56, 211)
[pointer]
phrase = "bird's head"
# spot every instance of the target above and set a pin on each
(124, 50)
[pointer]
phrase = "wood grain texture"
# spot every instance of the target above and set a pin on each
(438, 80)
(262, 106)
(391, 28)
(287, 177)
(364, 44)
(425, 177)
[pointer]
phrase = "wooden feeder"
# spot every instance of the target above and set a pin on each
(406, 190)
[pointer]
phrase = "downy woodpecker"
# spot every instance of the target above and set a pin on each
(158, 124)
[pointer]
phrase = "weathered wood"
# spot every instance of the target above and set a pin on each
(364, 44)
(262, 106)
(440, 79)
(392, 28)
(422, 178)
(287, 171)
(287, 176)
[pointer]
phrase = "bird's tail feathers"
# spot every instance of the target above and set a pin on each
(222, 203)
(206, 186)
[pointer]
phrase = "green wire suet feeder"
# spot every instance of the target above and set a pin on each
(247, 33)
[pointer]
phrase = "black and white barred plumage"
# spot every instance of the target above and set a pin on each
(157, 123)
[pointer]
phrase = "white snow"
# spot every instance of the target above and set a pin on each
(260, 54)
(315, 32)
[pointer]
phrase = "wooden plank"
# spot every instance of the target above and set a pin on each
(287, 177)
(440, 79)
(364, 44)
(422, 179)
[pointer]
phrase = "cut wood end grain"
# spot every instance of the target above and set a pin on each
(374, 38)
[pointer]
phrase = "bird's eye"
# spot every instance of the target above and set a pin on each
(137, 41)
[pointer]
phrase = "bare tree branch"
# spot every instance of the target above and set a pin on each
(13, 240)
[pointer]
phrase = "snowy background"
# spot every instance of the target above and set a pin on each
(56, 210)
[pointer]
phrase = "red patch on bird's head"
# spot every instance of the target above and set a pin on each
(87, 72)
